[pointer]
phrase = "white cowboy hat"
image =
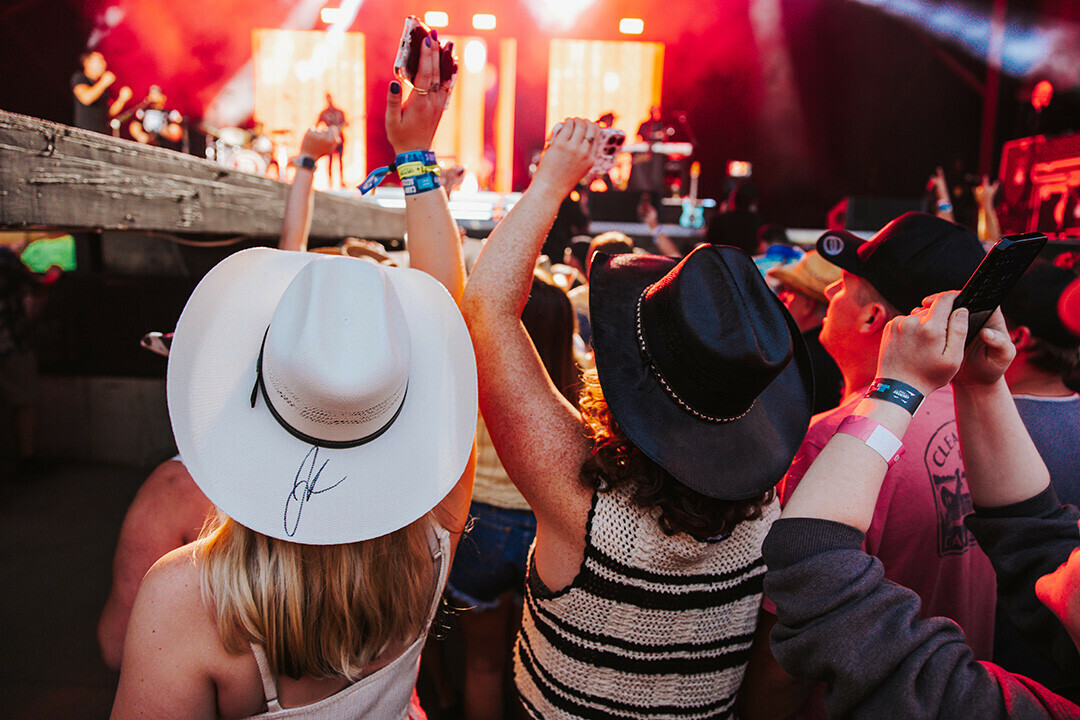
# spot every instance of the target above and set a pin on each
(321, 400)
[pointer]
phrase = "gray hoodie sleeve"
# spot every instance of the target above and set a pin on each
(841, 622)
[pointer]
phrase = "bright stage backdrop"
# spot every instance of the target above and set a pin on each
(294, 70)
(587, 78)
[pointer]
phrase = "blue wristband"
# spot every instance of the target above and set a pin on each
(427, 157)
(376, 176)
(420, 183)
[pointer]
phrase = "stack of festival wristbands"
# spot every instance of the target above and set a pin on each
(418, 170)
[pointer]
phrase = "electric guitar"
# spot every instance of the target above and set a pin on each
(693, 215)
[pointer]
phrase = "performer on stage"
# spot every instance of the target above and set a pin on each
(654, 129)
(88, 87)
(154, 125)
(332, 117)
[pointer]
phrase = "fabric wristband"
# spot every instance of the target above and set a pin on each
(376, 176)
(412, 169)
(876, 437)
(895, 392)
(420, 183)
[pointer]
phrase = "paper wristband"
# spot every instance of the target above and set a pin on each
(876, 437)
(895, 392)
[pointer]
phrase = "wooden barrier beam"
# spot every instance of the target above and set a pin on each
(56, 176)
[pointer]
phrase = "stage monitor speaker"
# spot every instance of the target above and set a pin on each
(865, 212)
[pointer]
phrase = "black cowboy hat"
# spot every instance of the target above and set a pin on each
(702, 367)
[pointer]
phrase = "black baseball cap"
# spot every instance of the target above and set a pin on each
(1033, 302)
(914, 256)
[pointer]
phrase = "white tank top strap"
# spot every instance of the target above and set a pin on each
(268, 682)
(441, 556)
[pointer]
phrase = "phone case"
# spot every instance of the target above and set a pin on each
(995, 276)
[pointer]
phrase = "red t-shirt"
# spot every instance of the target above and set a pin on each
(918, 531)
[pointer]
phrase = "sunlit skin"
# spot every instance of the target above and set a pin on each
(1060, 592)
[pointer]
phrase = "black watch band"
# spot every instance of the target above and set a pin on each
(304, 161)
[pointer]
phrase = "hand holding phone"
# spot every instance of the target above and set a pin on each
(995, 276)
(608, 144)
(407, 63)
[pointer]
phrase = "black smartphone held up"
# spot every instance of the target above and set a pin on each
(995, 276)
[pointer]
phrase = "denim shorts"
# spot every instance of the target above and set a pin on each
(491, 556)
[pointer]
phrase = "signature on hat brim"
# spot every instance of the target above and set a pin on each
(735, 460)
(250, 467)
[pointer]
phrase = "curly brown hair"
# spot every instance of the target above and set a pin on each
(615, 462)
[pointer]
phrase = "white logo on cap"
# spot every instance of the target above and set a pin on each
(832, 245)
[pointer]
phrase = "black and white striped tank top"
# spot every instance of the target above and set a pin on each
(652, 626)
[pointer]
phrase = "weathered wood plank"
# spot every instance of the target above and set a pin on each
(55, 176)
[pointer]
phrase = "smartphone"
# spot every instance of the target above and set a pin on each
(995, 276)
(157, 342)
(407, 63)
(608, 145)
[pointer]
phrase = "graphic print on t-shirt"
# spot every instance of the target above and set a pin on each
(951, 497)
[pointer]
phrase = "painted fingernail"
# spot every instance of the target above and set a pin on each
(450, 46)
(395, 88)
(435, 35)
(427, 41)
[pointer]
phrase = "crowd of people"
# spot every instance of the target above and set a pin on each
(686, 489)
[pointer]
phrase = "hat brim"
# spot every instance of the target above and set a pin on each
(266, 479)
(735, 460)
(841, 248)
(784, 274)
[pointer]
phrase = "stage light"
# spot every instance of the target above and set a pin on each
(330, 15)
(631, 26)
(483, 21)
(475, 56)
(436, 19)
(557, 14)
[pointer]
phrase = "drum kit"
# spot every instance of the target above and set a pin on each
(241, 149)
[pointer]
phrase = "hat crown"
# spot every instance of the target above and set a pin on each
(714, 332)
(336, 357)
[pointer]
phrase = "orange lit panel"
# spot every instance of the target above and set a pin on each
(587, 78)
(631, 26)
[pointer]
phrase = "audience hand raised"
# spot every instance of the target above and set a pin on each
(926, 348)
(319, 142)
(568, 157)
(411, 125)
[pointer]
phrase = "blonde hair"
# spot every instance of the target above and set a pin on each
(319, 610)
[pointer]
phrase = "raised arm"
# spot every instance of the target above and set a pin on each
(88, 94)
(296, 225)
(537, 434)
(434, 243)
(1002, 463)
